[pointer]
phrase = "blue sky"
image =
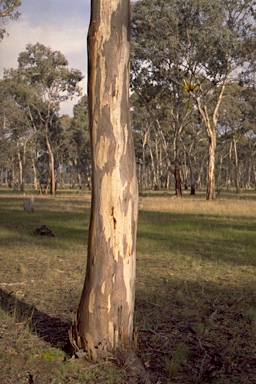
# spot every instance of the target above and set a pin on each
(59, 24)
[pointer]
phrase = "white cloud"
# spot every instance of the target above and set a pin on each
(71, 42)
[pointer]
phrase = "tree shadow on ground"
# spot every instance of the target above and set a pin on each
(51, 329)
(199, 234)
(222, 194)
(197, 333)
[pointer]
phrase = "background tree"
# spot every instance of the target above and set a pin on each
(15, 136)
(105, 313)
(197, 46)
(8, 10)
(41, 83)
(80, 139)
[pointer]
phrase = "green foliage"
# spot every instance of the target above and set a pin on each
(193, 33)
(175, 363)
(41, 82)
(41, 66)
(8, 10)
(54, 354)
(184, 55)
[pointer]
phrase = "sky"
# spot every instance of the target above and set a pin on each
(59, 24)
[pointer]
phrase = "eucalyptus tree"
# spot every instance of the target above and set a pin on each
(15, 134)
(154, 110)
(46, 82)
(8, 10)
(105, 313)
(18, 139)
(237, 134)
(231, 128)
(6, 157)
(194, 151)
(197, 45)
(159, 89)
(249, 98)
(141, 127)
(80, 138)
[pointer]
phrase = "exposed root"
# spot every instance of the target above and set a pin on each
(130, 361)
(133, 366)
(124, 354)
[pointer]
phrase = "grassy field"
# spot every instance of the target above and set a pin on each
(195, 292)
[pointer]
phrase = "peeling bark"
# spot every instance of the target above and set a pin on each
(106, 307)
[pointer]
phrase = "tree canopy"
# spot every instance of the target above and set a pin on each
(38, 87)
(193, 48)
(8, 10)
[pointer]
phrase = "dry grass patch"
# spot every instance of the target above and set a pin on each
(196, 289)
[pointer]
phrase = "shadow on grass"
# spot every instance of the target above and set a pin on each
(51, 329)
(210, 237)
(224, 194)
(193, 333)
(69, 224)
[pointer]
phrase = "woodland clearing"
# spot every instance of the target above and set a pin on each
(195, 289)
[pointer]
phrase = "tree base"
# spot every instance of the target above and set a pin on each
(124, 354)
(133, 366)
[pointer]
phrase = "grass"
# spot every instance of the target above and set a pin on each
(195, 289)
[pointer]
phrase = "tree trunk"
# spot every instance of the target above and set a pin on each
(105, 313)
(219, 175)
(143, 171)
(20, 163)
(177, 176)
(34, 173)
(154, 179)
(229, 167)
(237, 176)
(192, 176)
(51, 175)
(210, 192)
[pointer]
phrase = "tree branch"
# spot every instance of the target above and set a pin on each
(8, 12)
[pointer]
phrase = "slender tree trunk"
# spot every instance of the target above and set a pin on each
(192, 176)
(13, 175)
(20, 162)
(237, 177)
(157, 179)
(199, 181)
(61, 174)
(143, 171)
(34, 174)
(105, 313)
(211, 127)
(51, 175)
(177, 176)
(229, 167)
(154, 180)
(219, 176)
(185, 171)
(192, 179)
(210, 192)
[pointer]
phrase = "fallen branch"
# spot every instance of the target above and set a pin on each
(21, 283)
(210, 302)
